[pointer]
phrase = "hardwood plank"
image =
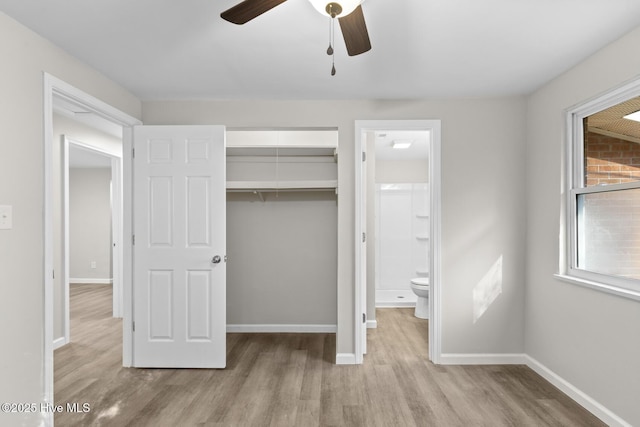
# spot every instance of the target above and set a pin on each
(291, 380)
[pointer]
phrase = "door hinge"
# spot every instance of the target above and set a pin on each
(364, 317)
(53, 274)
(364, 156)
(133, 153)
(133, 325)
(133, 239)
(364, 237)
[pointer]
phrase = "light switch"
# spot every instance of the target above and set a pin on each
(6, 217)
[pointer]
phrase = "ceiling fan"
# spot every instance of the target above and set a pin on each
(348, 12)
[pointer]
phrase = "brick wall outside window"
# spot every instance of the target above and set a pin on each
(610, 229)
(610, 160)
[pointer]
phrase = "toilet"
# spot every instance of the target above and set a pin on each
(420, 287)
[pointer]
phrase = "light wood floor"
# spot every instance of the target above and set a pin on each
(291, 380)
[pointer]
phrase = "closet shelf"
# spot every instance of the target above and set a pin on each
(244, 186)
(281, 152)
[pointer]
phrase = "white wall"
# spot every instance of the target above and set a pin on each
(402, 250)
(89, 224)
(388, 171)
(589, 338)
(483, 202)
(25, 56)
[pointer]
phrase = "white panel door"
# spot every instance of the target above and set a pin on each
(179, 251)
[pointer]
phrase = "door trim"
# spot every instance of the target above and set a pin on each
(435, 318)
(51, 86)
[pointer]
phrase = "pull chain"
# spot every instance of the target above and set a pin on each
(333, 9)
(330, 50)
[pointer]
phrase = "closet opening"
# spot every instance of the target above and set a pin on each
(282, 230)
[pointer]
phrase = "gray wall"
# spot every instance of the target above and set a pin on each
(589, 338)
(89, 224)
(282, 266)
(25, 56)
(483, 213)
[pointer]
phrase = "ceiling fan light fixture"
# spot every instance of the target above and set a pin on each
(346, 6)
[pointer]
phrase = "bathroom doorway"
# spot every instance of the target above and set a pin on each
(398, 225)
(397, 222)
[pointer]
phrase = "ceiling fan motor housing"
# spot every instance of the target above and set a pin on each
(333, 9)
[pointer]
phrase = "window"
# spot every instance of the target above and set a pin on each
(603, 205)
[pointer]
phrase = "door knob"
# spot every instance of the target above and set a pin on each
(216, 259)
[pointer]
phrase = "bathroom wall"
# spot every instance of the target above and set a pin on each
(395, 243)
(399, 171)
(402, 239)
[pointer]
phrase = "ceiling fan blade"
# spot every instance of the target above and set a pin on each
(354, 31)
(248, 9)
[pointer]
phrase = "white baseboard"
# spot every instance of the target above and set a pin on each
(92, 281)
(259, 328)
(372, 324)
(576, 394)
(59, 342)
(482, 359)
(345, 359)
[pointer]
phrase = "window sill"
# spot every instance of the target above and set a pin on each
(598, 286)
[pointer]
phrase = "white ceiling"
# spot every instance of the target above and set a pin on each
(418, 150)
(82, 158)
(168, 49)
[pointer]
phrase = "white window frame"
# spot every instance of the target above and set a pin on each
(575, 186)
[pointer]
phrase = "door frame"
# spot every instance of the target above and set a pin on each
(360, 303)
(54, 86)
(116, 224)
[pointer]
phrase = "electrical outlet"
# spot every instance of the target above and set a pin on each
(93, 264)
(6, 217)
